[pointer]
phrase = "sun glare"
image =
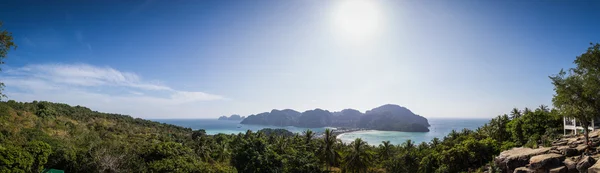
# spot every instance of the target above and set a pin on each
(357, 19)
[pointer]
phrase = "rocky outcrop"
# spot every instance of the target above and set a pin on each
(546, 161)
(517, 157)
(568, 154)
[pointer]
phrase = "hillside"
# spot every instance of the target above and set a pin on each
(387, 117)
(77, 139)
(39, 135)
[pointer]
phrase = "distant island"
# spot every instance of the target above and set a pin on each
(232, 118)
(387, 117)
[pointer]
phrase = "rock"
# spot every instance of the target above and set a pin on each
(594, 134)
(595, 168)
(581, 148)
(568, 151)
(584, 163)
(578, 142)
(571, 165)
(511, 159)
(559, 143)
(560, 169)
(524, 170)
(555, 152)
(546, 161)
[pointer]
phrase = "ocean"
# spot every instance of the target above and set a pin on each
(440, 127)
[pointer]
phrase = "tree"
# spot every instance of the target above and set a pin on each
(543, 108)
(570, 100)
(359, 158)
(173, 157)
(308, 135)
(328, 153)
(15, 159)
(515, 113)
(577, 94)
(385, 150)
(6, 43)
(526, 110)
(254, 156)
(40, 152)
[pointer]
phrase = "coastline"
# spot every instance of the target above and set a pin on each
(337, 132)
(440, 127)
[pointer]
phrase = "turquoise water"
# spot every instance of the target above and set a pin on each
(440, 127)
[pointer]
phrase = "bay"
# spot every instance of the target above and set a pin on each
(440, 127)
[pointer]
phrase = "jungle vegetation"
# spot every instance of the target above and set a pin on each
(38, 135)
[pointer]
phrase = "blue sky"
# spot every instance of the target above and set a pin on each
(203, 59)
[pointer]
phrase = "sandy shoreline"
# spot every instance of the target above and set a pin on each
(342, 131)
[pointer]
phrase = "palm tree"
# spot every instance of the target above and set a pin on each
(385, 150)
(543, 108)
(515, 113)
(526, 111)
(435, 142)
(308, 135)
(358, 159)
(328, 152)
(408, 145)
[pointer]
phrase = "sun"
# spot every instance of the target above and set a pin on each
(357, 19)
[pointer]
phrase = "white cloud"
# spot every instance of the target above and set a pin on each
(85, 75)
(101, 88)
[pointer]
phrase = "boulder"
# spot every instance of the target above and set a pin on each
(560, 169)
(568, 151)
(524, 170)
(510, 160)
(571, 165)
(546, 161)
(581, 148)
(594, 168)
(584, 163)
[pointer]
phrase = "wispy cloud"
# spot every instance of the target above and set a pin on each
(104, 88)
(81, 39)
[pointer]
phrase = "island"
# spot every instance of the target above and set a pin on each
(233, 117)
(388, 117)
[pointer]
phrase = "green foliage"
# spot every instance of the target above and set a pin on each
(76, 139)
(255, 156)
(6, 43)
(276, 132)
(15, 159)
(44, 109)
(40, 152)
(576, 94)
(359, 157)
